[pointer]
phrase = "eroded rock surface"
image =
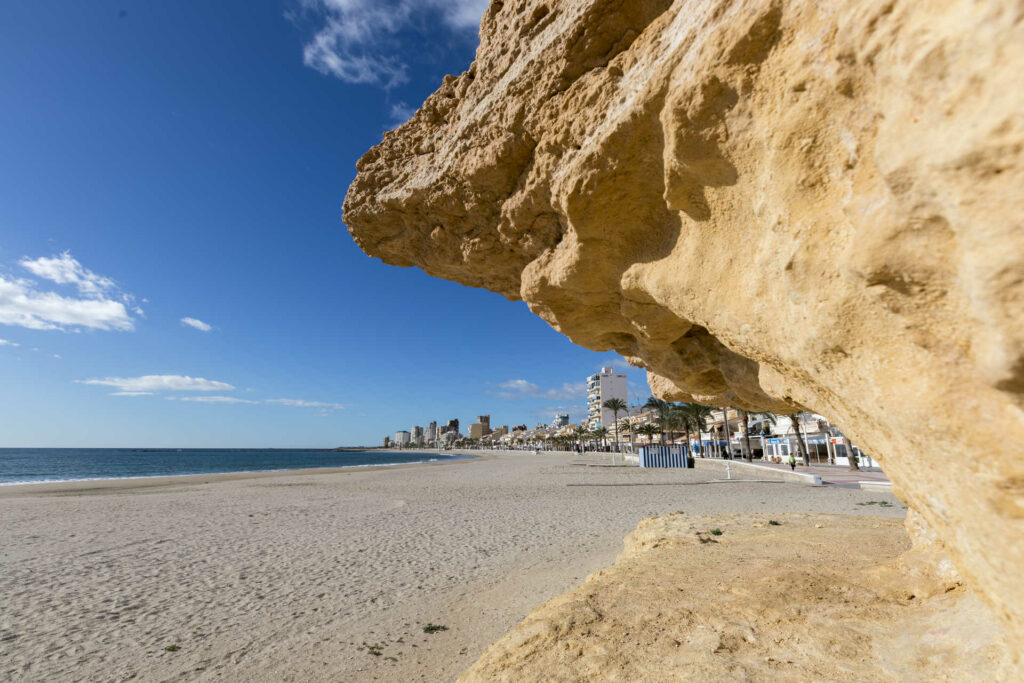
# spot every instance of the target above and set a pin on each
(774, 205)
(811, 598)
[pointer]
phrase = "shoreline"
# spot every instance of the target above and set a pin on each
(288, 577)
(158, 480)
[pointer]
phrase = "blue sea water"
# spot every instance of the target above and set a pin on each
(35, 465)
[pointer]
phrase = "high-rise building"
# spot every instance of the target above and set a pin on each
(601, 387)
(387, 442)
(416, 435)
(561, 420)
(402, 438)
(480, 428)
(432, 431)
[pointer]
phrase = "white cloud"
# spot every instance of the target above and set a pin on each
(358, 40)
(214, 399)
(99, 305)
(150, 383)
(196, 323)
(617, 363)
(57, 356)
(520, 388)
(22, 305)
(298, 403)
(401, 112)
(4, 342)
(65, 269)
(575, 412)
(132, 393)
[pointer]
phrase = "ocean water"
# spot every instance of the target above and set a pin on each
(36, 465)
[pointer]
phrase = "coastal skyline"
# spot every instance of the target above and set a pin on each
(174, 269)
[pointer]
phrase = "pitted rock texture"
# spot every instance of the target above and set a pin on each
(768, 204)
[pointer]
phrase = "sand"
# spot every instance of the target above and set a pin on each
(289, 576)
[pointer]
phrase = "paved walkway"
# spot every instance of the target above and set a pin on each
(839, 475)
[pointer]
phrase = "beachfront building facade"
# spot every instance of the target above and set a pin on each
(561, 420)
(402, 438)
(601, 387)
(416, 435)
(449, 433)
(480, 428)
(774, 438)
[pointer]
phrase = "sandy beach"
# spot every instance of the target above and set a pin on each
(291, 576)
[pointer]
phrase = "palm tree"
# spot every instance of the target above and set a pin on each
(629, 425)
(662, 408)
(851, 455)
(600, 433)
(795, 419)
(580, 432)
(695, 417)
(726, 432)
(745, 417)
(767, 418)
(616, 405)
(671, 422)
(648, 430)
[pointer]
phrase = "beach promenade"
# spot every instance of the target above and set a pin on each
(328, 576)
(837, 475)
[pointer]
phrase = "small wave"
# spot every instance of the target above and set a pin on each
(297, 470)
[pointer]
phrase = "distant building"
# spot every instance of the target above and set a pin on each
(387, 442)
(402, 438)
(432, 432)
(604, 385)
(561, 420)
(448, 433)
(480, 428)
(416, 435)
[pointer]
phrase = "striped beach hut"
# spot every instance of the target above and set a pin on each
(663, 456)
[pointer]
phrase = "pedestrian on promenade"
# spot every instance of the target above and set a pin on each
(792, 462)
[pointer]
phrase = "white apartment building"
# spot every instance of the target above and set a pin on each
(601, 387)
(402, 438)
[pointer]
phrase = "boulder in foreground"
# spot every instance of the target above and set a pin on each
(818, 597)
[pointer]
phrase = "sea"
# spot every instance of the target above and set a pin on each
(41, 465)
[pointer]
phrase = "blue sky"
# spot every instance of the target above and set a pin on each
(174, 270)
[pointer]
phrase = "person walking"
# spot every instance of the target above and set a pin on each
(792, 462)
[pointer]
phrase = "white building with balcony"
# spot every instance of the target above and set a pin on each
(601, 387)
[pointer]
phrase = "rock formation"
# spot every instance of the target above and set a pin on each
(810, 598)
(772, 204)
